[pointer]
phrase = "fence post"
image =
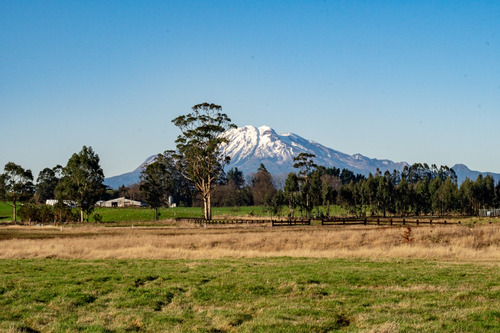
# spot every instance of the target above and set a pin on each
(390, 221)
(417, 221)
(343, 221)
(365, 221)
(404, 222)
(430, 221)
(444, 221)
(378, 221)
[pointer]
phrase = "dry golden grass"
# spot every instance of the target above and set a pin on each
(451, 242)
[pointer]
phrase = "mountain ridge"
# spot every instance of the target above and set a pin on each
(249, 146)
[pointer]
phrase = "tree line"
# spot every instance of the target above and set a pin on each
(312, 190)
(194, 174)
(418, 189)
(197, 163)
(78, 184)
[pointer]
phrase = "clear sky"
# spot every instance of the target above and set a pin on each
(414, 81)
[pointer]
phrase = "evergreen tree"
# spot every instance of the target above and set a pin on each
(16, 185)
(82, 181)
(290, 191)
(158, 181)
(46, 183)
(262, 186)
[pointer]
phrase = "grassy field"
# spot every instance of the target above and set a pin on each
(248, 295)
(132, 214)
(135, 214)
(5, 211)
(173, 276)
(185, 241)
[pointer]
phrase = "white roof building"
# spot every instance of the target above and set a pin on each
(120, 202)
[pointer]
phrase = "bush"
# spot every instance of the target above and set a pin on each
(29, 213)
(46, 213)
(63, 213)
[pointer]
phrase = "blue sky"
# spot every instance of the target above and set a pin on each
(414, 81)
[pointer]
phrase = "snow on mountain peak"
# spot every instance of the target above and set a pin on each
(250, 146)
(266, 129)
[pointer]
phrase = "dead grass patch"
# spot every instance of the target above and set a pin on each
(429, 242)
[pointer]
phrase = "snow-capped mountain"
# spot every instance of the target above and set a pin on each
(250, 146)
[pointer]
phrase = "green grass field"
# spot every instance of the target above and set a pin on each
(131, 214)
(248, 295)
(5, 211)
(135, 214)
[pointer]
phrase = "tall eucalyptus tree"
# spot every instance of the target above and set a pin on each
(199, 148)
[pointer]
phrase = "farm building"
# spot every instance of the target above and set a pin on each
(53, 202)
(120, 202)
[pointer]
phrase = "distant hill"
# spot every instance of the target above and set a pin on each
(128, 178)
(250, 146)
(463, 172)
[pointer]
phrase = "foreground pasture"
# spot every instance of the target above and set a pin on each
(250, 279)
(248, 295)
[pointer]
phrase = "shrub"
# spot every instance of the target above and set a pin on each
(97, 218)
(29, 212)
(63, 213)
(46, 213)
(406, 238)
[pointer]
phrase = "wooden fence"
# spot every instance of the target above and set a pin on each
(274, 223)
(290, 222)
(330, 221)
(383, 221)
(230, 221)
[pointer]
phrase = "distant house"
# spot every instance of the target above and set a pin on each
(53, 202)
(120, 202)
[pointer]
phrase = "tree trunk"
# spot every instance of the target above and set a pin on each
(14, 211)
(205, 211)
(209, 208)
(81, 215)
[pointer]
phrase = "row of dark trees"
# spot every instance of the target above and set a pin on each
(418, 189)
